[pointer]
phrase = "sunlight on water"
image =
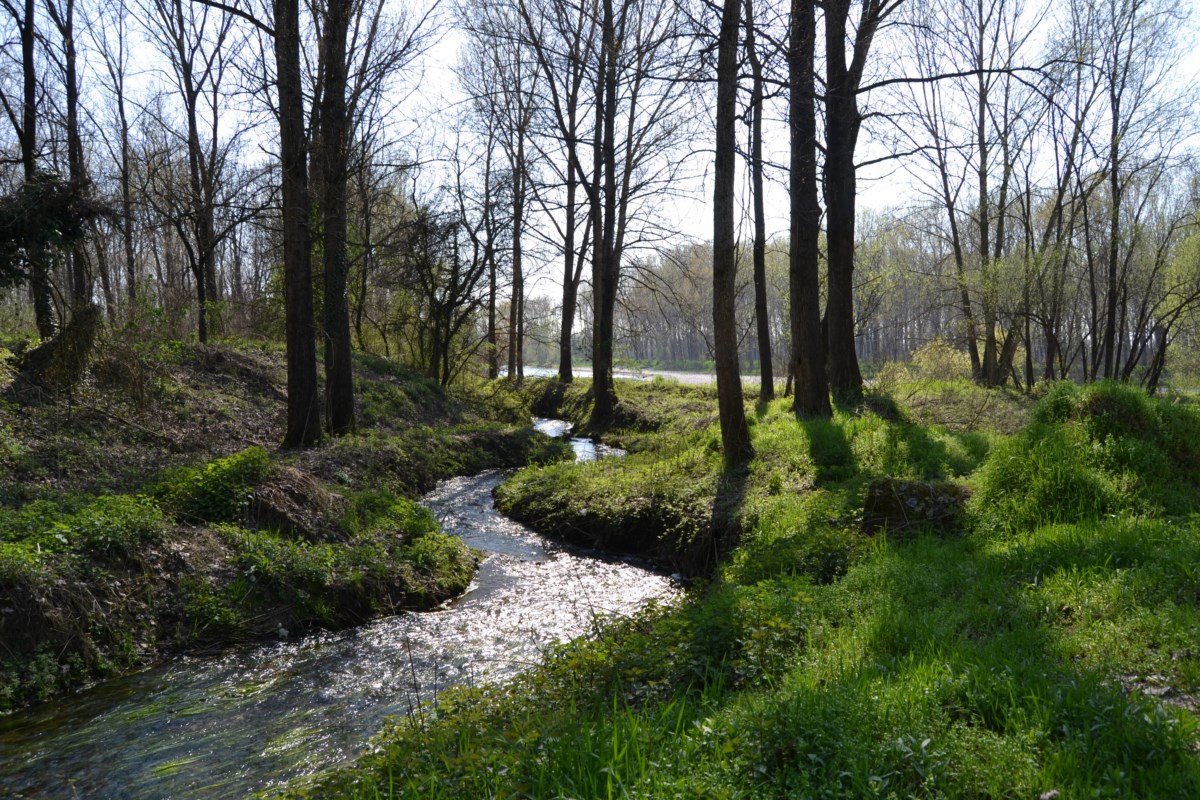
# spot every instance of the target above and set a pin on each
(222, 727)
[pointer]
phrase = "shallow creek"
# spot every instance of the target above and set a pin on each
(221, 727)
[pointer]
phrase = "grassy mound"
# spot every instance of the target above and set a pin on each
(1090, 452)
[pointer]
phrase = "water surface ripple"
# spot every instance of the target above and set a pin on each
(205, 727)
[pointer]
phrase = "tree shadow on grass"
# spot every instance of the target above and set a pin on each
(833, 457)
(963, 684)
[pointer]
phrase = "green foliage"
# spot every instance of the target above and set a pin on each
(1093, 451)
(110, 523)
(22, 564)
(117, 523)
(217, 492)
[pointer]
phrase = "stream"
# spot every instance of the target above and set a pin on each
(221, 727)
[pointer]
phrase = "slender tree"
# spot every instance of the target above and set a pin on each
(766, 390)
(735, 434)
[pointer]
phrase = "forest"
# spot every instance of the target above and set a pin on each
(860, 338)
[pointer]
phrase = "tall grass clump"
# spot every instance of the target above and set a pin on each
(1089, 452)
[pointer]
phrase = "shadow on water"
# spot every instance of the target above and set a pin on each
(224, 727)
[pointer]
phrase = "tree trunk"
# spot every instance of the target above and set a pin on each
(604, 272)
(334, 132)
(735, 434)
(516, 320)
(766, 390)
(39, 273)
(842, 123)
(811, 397)
(304, 411)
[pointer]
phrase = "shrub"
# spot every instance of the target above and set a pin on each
(114, 523)
(110, 523)
(939, 360)
(217, 492)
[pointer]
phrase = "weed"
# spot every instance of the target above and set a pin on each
(217, 492)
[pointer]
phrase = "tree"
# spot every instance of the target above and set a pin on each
(304, 406)
(735, 434)
(334, 128)
(811, 397)
(843, 122)
(24, 118)
(110, 37)
(200, 47)
(766, 373)
(561, 37)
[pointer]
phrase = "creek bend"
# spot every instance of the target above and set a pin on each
(221, 727)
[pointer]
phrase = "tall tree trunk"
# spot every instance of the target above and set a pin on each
(811, 398)
(516, 321)
(1114, 234)
(604, 271)
(842, 124)
(735, 434)
(334, 132)
(304, 404)
(39, 271)
(766, 390)
(64, 20)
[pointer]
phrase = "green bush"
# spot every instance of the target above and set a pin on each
(110, 523)
(21, 564)
(939, 360)
(217, 492)
(116, 523)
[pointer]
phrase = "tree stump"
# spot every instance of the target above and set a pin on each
(56, 366)
(901, 506)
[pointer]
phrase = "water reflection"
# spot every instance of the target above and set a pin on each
(222, 727)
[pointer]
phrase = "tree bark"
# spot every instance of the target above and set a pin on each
(811, 397)
(334, 132)
(304, 404)
(735, 434)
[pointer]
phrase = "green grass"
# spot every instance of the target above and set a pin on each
(1050, 646)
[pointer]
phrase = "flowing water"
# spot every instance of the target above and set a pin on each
(223, 727)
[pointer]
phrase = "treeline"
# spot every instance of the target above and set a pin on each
(257, 169)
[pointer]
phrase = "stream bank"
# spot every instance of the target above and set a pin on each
(250, 720)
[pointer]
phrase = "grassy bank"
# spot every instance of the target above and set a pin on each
(153, 514)
(1044, 646)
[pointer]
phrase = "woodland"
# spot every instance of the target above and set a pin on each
(272, 272)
